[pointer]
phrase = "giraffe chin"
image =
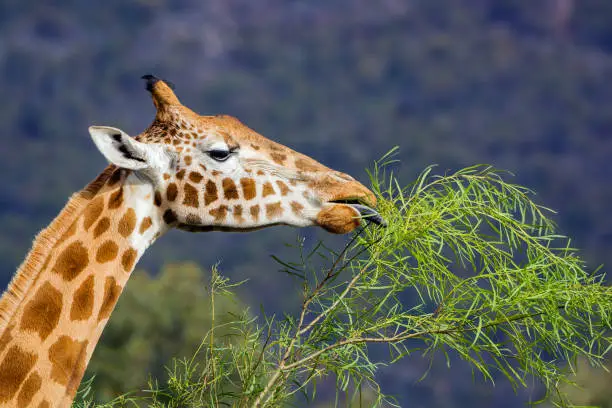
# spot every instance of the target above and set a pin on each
(344, 218)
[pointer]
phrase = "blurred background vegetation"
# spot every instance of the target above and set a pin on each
(522, 85)
(159, 319)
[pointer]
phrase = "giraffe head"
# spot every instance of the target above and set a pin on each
(215, 173)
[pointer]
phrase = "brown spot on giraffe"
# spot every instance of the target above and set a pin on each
(29, 389)
(42, 313)
(111, 294)
(171, 192)
(278, 158)
(248, 188)
(145, 225)
(187, 160)
(195, 177)
(193, 219)
(102, 226)
(180, 174)
(127, 223)
(44, 404)
(274, 210)
(191, 196)
(297, 208)
(229, 189)
(274, 146)
(157, 199)
(128, 258)
(203, 167)
(210, 195)
(6, 338)
(216, 172)
(267, 189)
(225, 135)
(254, 210)
(67, 357)
(306, 164)
(284, 189)
(254, 146)
(92, 212)
(107, 252)
(166, 176)
(219, 213)
(116, 199)
(83, 300)
(238, 214)
(14, 368)
(169, 216)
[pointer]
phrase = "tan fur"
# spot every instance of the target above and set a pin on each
(43, 244)
(338, 219)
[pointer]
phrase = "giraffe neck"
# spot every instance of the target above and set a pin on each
(60, 310)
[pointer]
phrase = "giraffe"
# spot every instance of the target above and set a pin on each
(186, 171)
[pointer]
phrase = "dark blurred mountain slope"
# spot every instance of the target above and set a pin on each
(521, 85)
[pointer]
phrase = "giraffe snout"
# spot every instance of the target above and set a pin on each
(348, 202)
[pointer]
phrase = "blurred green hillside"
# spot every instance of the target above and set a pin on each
(156, 320)
(522, 85)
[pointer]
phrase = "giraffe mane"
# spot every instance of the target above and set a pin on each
(30, 269)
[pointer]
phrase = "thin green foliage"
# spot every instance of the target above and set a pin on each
(468, 266)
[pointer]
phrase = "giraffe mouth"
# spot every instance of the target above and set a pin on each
(367, 213)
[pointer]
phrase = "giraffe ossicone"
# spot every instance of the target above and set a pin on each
(187, 171)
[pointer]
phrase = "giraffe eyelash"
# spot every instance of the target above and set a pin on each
(220, 155)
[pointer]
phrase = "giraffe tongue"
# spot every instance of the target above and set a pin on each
(369, 214)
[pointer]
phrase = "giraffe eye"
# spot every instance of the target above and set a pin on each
(219, 155)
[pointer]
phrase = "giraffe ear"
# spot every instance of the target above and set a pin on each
(120, 149)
